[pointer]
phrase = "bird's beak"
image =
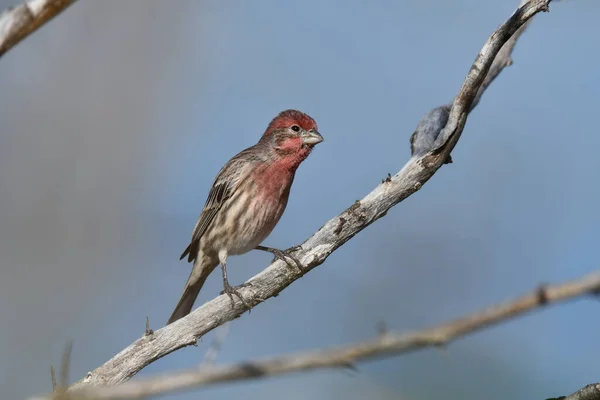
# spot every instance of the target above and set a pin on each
(312, 137)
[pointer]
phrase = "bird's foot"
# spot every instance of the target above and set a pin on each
(233, 291)
(284, 255)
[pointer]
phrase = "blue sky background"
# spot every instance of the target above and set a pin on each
(117, 116)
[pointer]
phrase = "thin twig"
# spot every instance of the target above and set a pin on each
(385, 345)
(59, 391)
(65, 365)
(53, 378)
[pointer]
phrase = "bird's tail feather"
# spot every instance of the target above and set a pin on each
(190, 291)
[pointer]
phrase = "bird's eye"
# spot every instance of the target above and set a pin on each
(295, 128)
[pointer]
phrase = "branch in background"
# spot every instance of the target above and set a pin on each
(337, 231)
(386, 345)
(18, 22)
(589, 392)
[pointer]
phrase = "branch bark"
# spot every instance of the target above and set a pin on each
(432, 123)
(588, 392)
(18, 22)
(337, 231)
(386, 345)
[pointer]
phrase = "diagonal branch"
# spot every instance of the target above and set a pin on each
(337, 231)
(18, 22)
(503, 59)
(385, 345)
(432, 123)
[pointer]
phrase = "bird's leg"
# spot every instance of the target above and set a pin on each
(232, 290)
(283, 255)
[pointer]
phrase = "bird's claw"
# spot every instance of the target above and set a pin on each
(233, 290)
(293, 249)
(286, 256)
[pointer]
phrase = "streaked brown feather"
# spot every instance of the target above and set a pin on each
(222, 189)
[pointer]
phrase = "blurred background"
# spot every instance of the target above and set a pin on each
(117, 115)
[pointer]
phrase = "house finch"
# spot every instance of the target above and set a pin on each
(246, 201)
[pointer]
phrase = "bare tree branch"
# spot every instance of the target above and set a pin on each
(503, 59)
(386, 345)
(589, 392)
(19, 22)
(475, 78)
(432, 123)
(337, 231)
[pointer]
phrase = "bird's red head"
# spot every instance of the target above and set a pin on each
(291, 135)
(289, 118)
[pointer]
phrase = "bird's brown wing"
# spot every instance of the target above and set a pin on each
(220, 191)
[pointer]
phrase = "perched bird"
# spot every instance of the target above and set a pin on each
(246, 201)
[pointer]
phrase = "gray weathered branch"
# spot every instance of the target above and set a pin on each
(386, 345)
(337, 231)
(18, 22)
(432, 123)
(588, 392)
